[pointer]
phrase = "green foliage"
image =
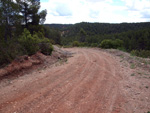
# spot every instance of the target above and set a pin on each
(132, 74)
(26, 44)
(42, 16)
(84, 44)
(133, 36)
(108, 43)
(29, 42)
(132, 66)
(141, 53)
(36, 28)
(9, 16)
(34, 43)
(29, 10)
(94, 45)
(7, 54)
(122, 49)
(82, 35)
(100, 28)
(45, 46)
(117, 43)
(75, 44)
(14, 39)
(52, 34)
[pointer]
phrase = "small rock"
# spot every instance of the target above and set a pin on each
(146, 97)
(137, 93)
(128, 86)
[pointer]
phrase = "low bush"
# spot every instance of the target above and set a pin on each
(83, 44)
(29, 42)
(122, 49)
(117, 44)
(9, 51)
(34, 43)
(108, 43)
(45, 46)
(141, 53)
(94, 45)
(76, 44)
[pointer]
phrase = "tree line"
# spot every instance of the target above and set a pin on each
(130, 36)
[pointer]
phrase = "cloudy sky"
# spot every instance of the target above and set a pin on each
(108, 11)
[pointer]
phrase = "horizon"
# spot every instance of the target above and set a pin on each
(97, 11)
(98, 23)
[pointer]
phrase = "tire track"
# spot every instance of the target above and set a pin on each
(87, 84)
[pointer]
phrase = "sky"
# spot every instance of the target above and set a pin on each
(102, 11)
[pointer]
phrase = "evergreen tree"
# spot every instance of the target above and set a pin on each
(30, 12)
(82, 35)
(9, 17)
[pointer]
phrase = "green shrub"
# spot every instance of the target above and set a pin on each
(94, 45)
(5, 54)
(134, 53)
(9, 51)
(45, 46)
(34, 43)
(117, 44)
(141, 53)
(108, 43)
(29, 42)
(75, 44)
(122, 49)
(83, 44)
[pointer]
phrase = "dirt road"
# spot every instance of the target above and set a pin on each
(89, 82)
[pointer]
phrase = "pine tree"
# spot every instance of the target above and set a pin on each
(30, 12)
(9, 17)
(82, 35)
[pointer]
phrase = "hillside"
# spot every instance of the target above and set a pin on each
(99, 28)
(134, 36)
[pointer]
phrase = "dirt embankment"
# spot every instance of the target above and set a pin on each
(92, 81)
(28, 63)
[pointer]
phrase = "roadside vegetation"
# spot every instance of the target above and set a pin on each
(22, 31)
(130, 37)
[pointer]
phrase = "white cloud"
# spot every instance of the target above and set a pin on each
(63, 10)
(140, 9)
(73, 11)
(99, 0)
(137, 4)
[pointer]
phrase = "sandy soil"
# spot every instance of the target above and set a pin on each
(92, 81)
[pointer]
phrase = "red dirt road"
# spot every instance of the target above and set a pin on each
(89, 82)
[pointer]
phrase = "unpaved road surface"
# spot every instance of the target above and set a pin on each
(89, 82)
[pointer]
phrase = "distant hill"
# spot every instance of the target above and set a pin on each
(135, 36)
(99, 28)
(59, 26)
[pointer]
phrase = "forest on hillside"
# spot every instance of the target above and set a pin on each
(131, 37)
